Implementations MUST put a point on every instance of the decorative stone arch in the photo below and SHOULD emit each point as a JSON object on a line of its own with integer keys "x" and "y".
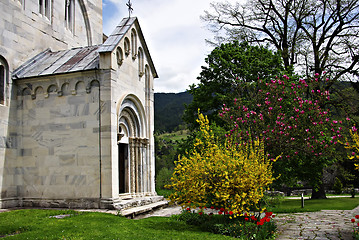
{"x": 65, "y": 89}
{"x": 79, "y": 88}
{"x": 132, "y": 140}
{"x": 132, "y": 111}
{"x": 39, "y": 90}
{"x": 92, "y": 84}
{"x": 26, "y": 92}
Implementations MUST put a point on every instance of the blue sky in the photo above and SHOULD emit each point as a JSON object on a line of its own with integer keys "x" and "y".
{"x": 174, "y": 33}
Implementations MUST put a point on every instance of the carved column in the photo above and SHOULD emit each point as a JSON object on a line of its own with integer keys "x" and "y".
{"x": 132, "y": 171}
{"x": 144, "y": 165}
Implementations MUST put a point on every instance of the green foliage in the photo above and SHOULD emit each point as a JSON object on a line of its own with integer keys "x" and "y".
{"x": 163, "y": 178}
{"x": 37, "y": 224}
{"x": 228, "y": 66}
{"x": 219, "y": 175}
{"x": 338, "y": 186}
{"x": 165, "y": 151}
{"x": 221, "y": 224}
{"x": 293, "y": 119}
{"x": 314, "y": 205}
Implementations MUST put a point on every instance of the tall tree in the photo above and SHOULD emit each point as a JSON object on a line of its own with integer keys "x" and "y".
{"x": 287, "y": 116}
{"x": 314, "y": 35}
{"x": 228, "y": 66}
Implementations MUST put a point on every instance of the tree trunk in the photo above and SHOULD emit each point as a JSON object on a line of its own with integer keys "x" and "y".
{"x": 319, "y": 193}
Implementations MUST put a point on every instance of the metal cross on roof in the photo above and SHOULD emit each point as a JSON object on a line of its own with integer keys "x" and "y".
{"x": 130, "y": 9}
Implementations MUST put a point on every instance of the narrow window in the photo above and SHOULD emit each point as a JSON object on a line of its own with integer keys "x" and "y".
{"x": 69, "y": 14}
{"x": 127, "y": 46}
{"x": 2, "y": 84}
{"x": 119, "y": 56}
{"x": 45, "y": 8}
{"x": 134, "y": 43}
{"x": 140, "y": 62}
{"x": 41, "y": 7}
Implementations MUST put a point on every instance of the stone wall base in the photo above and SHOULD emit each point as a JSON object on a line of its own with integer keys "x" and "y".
{"x": 84, "y": 203}
{"x": 123, "y": 201}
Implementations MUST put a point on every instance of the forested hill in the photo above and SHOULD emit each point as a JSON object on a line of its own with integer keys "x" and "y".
{"x": 169, "y": 109}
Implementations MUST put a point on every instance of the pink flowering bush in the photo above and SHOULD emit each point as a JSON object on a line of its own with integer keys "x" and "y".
{"x": 294, "y": 120}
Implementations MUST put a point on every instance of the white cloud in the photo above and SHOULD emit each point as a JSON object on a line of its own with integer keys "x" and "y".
{"x": 175, "y": 36}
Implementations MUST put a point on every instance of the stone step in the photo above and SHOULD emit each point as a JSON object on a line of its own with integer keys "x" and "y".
{"x": 132, "y": 212}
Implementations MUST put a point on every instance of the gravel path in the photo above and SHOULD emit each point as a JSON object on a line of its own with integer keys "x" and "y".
{"x": 326, "y": 224}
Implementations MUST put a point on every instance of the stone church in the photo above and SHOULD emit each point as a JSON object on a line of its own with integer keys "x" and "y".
{"x": 76, "y": 107}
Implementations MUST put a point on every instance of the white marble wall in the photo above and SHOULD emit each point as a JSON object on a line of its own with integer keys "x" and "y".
{"x": 24, "y": 32}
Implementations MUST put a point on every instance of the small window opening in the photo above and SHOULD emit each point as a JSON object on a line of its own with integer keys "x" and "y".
{"x": 45, "y": 8}
{"x": 119, "y": 55}
{"x": 127, "y": 46}
{"x": 134, "y": 44}
{"x": 2, "y": 84}
{"x": 69, "y": 14}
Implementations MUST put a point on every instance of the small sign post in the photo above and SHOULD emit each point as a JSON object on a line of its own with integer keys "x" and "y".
{"x": 302, "y": 200}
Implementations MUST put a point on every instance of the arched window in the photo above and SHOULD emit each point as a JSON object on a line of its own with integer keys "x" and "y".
{"x": 127, "y": 46}
{"x": 147, "y": 82}
{"x": 134, "y": 43}
{"x": 69, "y": 14}
{"x": 4, "y": 72}
{"x": 119, "y": 56}
{"x": 2, "y": 84}
{"x": 141, "y": 62}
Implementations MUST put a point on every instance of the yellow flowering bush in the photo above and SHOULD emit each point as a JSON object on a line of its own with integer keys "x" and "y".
{"x": 226, "y": 177}
{"x": 354, "y": 147}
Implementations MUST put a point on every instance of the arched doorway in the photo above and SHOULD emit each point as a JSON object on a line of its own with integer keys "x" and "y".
{"x": 133, "y": 157}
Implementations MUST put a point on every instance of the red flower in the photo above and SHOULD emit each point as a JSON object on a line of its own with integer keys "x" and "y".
{"x": 353, "y": 220}
{"x": 230, "y": 213}
{"x": 221, "y": 209}
{"x": 246, "y": 219}
{"x": 357, "y": 216}
{"x": 200, "y": 213}
{"x": 358, "y": 224}
{"x": 188, "y": 209}
{"x": 212, "y": 207}
{"x": 220, "y": 212}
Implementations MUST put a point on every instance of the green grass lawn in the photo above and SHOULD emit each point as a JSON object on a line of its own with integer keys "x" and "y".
{"x": 175, "y": 136}
{"x": 37, "y": 224}
{"x": 294, "y": 205}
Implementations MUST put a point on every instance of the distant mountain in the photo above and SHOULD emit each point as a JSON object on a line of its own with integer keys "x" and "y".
{"x": 169, "y": 108}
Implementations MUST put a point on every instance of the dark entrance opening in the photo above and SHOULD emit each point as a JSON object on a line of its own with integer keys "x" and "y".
{"x": 122, "y": 159}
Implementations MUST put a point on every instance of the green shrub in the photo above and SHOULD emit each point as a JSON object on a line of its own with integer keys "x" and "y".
{"x": 163, "y": 178}
{"x": 338, "y": 186}
{"x": 224, "y": 225}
